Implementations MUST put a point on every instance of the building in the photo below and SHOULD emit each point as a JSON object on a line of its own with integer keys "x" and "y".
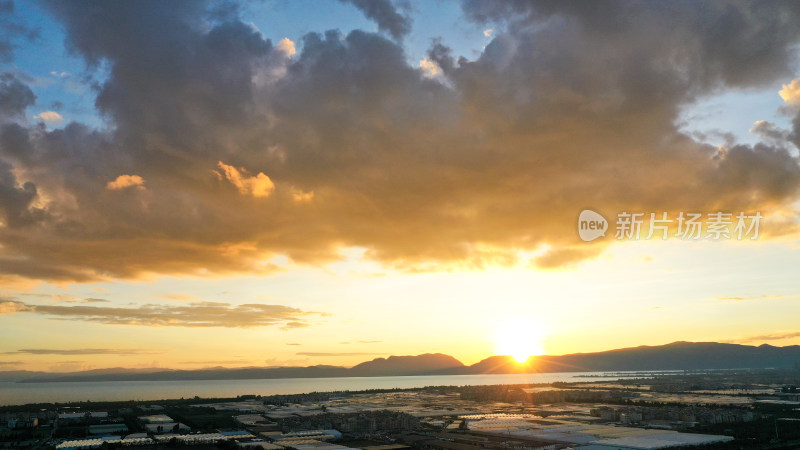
{"x": 108, "y": 428}
{"x": 166, "y": 427}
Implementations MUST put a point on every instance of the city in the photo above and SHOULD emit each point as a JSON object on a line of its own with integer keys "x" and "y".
{"x": 713, "y": 409}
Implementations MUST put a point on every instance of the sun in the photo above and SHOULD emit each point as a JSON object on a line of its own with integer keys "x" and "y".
{"x": 519, "y": 338}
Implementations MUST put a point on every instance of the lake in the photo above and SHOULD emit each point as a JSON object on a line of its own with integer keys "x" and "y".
{"x": 21, "y": 393}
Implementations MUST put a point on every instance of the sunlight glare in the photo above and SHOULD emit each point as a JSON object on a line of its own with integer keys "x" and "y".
{"x": 520, "y": 338}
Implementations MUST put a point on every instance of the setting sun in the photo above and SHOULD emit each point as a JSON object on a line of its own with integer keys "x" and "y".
{"x": 519, "y": 338}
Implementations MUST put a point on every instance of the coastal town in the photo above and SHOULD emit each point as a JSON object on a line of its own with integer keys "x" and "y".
{"x": 714, "y": 409}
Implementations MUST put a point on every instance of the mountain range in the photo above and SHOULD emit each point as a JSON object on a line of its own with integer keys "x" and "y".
{"x": 674, "y": 356}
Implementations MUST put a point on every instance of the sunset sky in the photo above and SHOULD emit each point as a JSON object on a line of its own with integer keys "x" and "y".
{"x": 195, "y": 184}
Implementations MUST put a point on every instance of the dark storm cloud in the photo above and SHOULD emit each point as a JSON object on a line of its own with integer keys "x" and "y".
{"x": 385, "y": 15}
{"x": 16, "y": 201}
{"x": 769, "y": 132}
{"x": 199, "y": 314}
{"x": 224, "y": 150}
{"x": 12, "y": 31}
{"x": 736, "y": 42}
{"x": 15, "y": 96}
{"x": 15, "y": 142}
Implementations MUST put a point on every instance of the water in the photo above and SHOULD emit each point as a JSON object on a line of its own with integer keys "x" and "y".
{"x": 20, "y": 393}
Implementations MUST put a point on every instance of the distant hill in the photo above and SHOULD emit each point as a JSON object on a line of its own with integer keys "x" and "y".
{"x": 17, "y": 375}
{"x": 498, "y": 364}
{"x": 674, "y": 356}
{"x": 406, "y": 365}
{"x": 426, "y": 364}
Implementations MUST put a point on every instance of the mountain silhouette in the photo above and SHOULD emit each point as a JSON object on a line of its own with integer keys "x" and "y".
{"x": 406, "y": 365}
{"x": 674, "y": 356}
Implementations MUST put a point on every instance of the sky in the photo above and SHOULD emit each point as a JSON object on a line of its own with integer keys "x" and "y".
{"x": 191, "y": 184}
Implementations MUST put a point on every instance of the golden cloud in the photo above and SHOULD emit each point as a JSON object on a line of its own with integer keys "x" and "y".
{"x": 126, "y": 181}
{"x": 84, "y": 351}
{"x": 198, "y": 314}
{"x": 49, "y": 117}
{"x": 258, "y": 186}
{"x": 287, "y": 47}
{"x": 491, "y": 159}
{"x": 429, "y": 68}
{"x": 791, "y": 92}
